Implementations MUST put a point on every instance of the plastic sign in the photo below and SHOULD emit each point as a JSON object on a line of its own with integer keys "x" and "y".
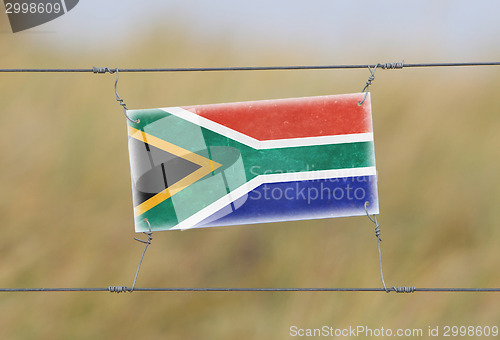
{"x": 252, "y": 162}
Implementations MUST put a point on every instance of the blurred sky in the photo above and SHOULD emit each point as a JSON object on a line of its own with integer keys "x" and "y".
{"x": 418, "y": 30}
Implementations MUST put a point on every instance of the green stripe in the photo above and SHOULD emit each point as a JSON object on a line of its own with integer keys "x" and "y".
{"x": 297, "y": 159}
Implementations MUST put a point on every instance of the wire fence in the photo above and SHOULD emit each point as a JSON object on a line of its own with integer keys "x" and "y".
{"x": 371, "y": 67}
{"x": 397, "y": 65}
{"x": 123, "y": 289}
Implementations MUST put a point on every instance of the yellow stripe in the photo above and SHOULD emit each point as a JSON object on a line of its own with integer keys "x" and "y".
{"x": 172, "y": 148}
{"x": 206, "y": 167}
{"x": 170, "y": 191}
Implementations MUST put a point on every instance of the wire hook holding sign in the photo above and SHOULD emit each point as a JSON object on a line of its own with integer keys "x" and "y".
{"x": 147, "y": 243}
{"x": 368, "y": 83}
{"x": 377, "y": 234}
{"x": 118, "y": 99}
{"x": 386, "y": 66}
{"x": 122, "y": 289}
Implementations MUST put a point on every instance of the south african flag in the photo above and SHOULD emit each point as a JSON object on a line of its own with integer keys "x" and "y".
{"x": 252, "y": 162}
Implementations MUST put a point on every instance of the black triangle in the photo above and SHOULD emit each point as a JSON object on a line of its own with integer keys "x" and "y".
{"x": 156, "y": 169}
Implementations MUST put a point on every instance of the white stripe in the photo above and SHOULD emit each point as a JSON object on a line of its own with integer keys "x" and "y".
{"x": 270, "y": 178}
{"x": 266, "y": 144}
{"x": 320, "y": 140}
{"x": 64, "y": 6}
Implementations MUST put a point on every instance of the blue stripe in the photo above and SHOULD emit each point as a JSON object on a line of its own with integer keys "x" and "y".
{"x": 300, "y": 200}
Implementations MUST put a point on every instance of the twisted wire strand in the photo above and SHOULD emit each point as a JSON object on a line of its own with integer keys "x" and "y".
{"x": 371, "y": 78}
{"x": 120, "y": 100}
{"x": 392, "y": 66}
{"x": 123, "y": 289}
{"x": 102, "y": 70}
{"x": 379, "y": 239}
{"x": 368, "y": 83}
{"x": 404, "y": 289}
{"x": 147, "y": 243}
{"x": 117, "y": 289}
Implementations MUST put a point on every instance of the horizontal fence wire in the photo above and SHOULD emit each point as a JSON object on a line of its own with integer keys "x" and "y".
{"x": 249, "y": 68}
{"x": 125, "y": 289}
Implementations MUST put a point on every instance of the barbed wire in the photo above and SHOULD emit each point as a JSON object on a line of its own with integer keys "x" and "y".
{"x": 398, "y": 65}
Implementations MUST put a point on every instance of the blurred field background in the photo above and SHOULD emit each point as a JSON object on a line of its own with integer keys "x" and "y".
{"x": 66, "y": 210}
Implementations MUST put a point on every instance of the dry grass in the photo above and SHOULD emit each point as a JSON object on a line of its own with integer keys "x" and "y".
{"x": 66, "y": 214}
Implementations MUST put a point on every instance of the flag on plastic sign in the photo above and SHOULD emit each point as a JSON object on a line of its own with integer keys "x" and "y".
{"x": 252, "y": 162}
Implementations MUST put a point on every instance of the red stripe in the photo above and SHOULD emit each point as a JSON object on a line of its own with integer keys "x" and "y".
{"x": 293, "y": 118}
